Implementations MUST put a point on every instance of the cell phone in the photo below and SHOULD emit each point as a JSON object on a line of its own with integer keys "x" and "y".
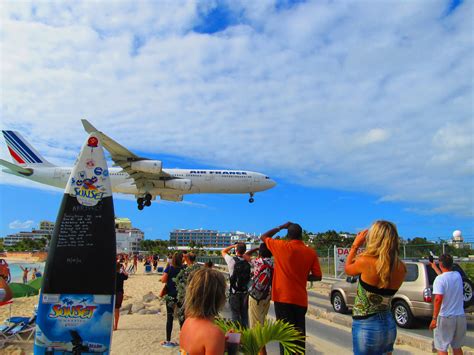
{"x": 430, "y": 258}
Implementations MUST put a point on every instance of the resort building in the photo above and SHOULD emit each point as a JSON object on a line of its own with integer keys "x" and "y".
{"x": 44, "y": 232}
{"x": 128, "y": 238}
{"x": 207, "y": 238}
{"x": 12, "y": 239}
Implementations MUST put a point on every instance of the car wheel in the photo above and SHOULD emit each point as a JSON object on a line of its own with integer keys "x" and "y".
{"x": 468, "y": 292}
{"x": 402, "y": 314}
{"x": 338, "y": 302}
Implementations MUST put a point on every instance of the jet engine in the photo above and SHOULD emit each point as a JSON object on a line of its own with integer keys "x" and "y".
{"x": 148, "y": 166}
{"x": 179, "y": 184}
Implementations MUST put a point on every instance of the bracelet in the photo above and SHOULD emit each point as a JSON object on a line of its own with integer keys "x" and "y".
{"x": 435, "y": 318}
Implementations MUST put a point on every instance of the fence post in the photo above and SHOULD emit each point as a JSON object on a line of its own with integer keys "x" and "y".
{"x": 404, "y": 251}
{"x": 329, "y": 263}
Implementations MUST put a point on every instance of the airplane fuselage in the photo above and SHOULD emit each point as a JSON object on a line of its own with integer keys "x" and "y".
{"x": 202, "y": 180}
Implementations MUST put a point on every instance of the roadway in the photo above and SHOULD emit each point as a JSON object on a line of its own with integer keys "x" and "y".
{"x": 325, "y": 337}
{"x": 316, "y": 299}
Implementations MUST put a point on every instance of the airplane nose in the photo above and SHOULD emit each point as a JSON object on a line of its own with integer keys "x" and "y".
{"x": 272, "y": 183}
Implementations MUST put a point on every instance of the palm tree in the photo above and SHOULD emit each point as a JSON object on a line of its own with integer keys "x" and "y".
{"x": 252, "y": 340}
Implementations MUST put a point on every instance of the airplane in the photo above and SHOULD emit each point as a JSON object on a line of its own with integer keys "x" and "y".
{"x": 76, "y": 346}
{"x": 139, "y": 176}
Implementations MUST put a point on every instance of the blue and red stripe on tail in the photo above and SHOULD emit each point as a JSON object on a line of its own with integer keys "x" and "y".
{"x": 21, "y": 151}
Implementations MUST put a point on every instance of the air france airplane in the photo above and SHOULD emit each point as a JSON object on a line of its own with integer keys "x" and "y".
{"x": 139, "y": 176}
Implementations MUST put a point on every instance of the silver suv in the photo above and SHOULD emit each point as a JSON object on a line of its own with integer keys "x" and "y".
{"x": 413, "y": 299}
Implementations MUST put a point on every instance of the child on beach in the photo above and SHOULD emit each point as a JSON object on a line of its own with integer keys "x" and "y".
{"x": 205, "y": 296}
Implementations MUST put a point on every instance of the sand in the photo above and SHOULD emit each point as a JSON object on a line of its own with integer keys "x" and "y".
{"x": 136, "y": 333}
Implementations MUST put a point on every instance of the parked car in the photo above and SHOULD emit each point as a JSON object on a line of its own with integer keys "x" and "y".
{"x": 413, "y": 299}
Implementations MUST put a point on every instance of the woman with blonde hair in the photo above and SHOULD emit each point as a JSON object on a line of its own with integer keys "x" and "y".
{"x": 381, "y": 273}
{"x": 205, "y": 297}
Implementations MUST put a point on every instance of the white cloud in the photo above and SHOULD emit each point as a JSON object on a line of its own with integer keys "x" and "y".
{"x": 17, "y": 224}
{"x": 354, "y": 95}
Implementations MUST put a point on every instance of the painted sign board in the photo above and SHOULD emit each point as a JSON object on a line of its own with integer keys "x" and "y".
{"x": 76, "y": 304}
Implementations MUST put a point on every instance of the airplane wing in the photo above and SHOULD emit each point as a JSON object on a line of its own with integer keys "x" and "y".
{"x": 123, "y": 157}
{"x": 15, "y": 168}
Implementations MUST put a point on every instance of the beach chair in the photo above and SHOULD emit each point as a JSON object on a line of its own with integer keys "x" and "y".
{"x": 17, "y": 329}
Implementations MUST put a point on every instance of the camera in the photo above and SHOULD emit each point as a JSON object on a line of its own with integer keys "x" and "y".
{"x": 430, "y": 258}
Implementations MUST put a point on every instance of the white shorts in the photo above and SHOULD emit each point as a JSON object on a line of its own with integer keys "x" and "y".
{"x": 450, "y": 331}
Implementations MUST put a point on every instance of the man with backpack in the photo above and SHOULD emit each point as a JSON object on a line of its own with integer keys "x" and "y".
{"x": 239, "y": 273}
{"x": 260, "y": 285}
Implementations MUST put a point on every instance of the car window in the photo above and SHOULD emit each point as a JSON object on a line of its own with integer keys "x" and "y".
{"x": 457, "y": 268}
{"x": 431, "y": 274}
{"x": 412, "y": 272}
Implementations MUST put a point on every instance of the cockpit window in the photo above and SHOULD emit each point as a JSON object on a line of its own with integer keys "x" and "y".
{"x": 266, "y": 177}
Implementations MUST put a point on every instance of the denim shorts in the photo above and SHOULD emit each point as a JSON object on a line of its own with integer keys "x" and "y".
{"x": 374, "y": 335}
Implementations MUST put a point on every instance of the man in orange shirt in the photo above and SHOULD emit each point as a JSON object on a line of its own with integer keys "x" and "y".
{"x": 294, "y": 265}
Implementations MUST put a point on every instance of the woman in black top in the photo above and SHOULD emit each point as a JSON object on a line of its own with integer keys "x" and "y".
{"x": 169, "y": 274}
{"x": 121, "y": 277}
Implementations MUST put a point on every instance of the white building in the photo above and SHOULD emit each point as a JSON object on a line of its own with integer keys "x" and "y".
{"x": 13, "y": 239}
{"x": 458, "y": 240}
{"x": 128, "y": 238}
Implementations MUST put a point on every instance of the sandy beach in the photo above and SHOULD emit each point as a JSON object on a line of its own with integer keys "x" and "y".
{"x": 141, "y": 331}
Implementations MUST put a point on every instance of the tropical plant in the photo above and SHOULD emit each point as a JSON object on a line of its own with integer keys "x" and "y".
{"x": 252, "y": 340}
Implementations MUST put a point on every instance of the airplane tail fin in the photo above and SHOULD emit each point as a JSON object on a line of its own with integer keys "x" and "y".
{"x": 22, "y": 152}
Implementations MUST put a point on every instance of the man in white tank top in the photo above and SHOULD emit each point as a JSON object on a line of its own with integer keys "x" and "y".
{"x": 449, "y": 320}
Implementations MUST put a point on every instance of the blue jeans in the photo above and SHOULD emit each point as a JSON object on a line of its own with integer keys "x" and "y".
{"x": 374, "y": 335}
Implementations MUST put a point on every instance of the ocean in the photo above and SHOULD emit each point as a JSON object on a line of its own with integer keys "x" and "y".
{"x": 17, "y": 274}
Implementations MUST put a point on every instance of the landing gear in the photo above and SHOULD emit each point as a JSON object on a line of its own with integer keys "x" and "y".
{"x": 251, "y": 200}
{"x": 144, "y": 201}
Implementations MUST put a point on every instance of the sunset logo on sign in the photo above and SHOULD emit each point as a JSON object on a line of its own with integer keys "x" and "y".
{"x": 67, "y": 311}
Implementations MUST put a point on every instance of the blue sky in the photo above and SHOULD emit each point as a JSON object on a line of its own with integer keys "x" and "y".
{"x": 359, "y": 110}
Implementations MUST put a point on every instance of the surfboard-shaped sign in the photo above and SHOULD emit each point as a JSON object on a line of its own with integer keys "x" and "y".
{"x": 76, "y": 305}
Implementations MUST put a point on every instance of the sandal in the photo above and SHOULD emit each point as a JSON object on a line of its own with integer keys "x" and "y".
{"x": 168, "y": 344}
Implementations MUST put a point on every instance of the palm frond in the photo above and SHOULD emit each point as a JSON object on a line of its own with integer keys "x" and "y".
{"x": 254, "y": 339}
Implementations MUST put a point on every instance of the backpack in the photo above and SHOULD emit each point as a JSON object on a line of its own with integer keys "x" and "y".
{"x": 241, "y": 276}
{"x": 261, "y": 284}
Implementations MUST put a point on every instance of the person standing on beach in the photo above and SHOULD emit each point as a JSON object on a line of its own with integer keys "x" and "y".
{"x": 381, "y": 273}
{"x": 449, "y": 320}
{"x": 25, "y": 273}
{"x": 205, "y": 297}
{"x": 183, "y": 279}
{"x": 121, "y": 277}
{"x": 169, "y": 275}
{"x": 239, "y": 274}
{"x": 135, "y": 263}
{"x": 295, "y": 264}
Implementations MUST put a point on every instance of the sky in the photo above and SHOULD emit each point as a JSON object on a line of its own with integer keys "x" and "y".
{"x": 360, "y": 110}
